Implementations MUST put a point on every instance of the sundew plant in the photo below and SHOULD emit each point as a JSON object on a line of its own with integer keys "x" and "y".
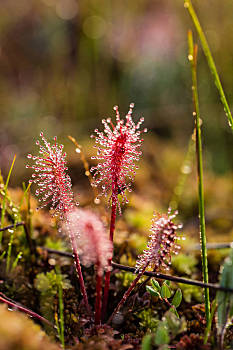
{"x": 91, "y": 243}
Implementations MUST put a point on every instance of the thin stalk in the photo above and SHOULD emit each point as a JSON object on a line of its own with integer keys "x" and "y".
{"x": 9, "y": 250}
{"x": 61, "y": 314}
{"x": 98, "y": 294}
{"x": 15, "y": 263}
{"x": 193, "y": 60}
{"x": 158, "y": 275}
{"x": 108, "y": 273}
{"x": 184, "y": 173}
{"x": 27, "y": 311}
{"x": 4, "y": 197}
{"x": 208, "y": 329}
{"x": 11, "y": 226}
{"x": 210, "y": 60}
{"x": 79, "y": 149}
{"x": 78, "y": 269}
{"x": 128, "y": 292}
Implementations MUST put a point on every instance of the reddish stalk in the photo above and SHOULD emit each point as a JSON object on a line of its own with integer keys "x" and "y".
{"x": 128, "y": 292}
{"x": 29, "y": 312}
{"x": 108, "y": 273}
{"x": 78, "y": 269}
{"x": 98, "y": 294}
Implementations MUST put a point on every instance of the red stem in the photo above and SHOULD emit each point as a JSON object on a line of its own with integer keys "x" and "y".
{"x": 98, "y": 294}
{"x": 108, "y": 273}
{"x": 127, "y": 293}
{"x": 78, "y": 268}
{"x": 29, "y": 312}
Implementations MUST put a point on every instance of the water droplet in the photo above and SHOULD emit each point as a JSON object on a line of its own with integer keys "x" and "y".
{"x": 52, "y": 262}
{"x": 78, "y": 150}
{"x": 186, "y": 169}
{"x": 87, "y": 173}
{"x": 186, "y": 5}
{"x": 190, "y": 57}
{"x": 97, "y": 200}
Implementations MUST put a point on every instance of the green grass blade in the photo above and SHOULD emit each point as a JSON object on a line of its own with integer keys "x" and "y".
{"x": 24, "y": 194}
{"x": 210, "y": 60}
{"x": 4, "y": 197}
{"x": 193, "y": 60}
{"x": 15, "y": 263}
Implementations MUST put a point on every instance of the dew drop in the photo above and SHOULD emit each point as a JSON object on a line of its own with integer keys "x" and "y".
{"x": 186, "y": 169}
{"x": 78, "y": 150}
{"x": 190, "y": 57}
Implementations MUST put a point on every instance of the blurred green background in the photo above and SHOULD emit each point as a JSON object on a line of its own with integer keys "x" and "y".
{"x": 65, "y": 63}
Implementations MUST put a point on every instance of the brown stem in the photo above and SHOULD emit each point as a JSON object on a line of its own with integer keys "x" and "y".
{"x": 174, "y": 278}
{"x": 108, "y": 273}
{"x": 12, "y": 226}
{"x": 159, "y": 275}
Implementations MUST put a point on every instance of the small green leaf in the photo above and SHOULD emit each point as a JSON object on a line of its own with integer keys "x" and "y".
{"x": 146, "y": 342}
{"x": 161, "y": 335}
{"x": 165, "y": 291}
{"x": 224, "y": 299}
{"x": 156, "y": 285}
{"x": 153, "y": 292}
{"x": 177, "y": 298}
{"x": 174, "y": 311}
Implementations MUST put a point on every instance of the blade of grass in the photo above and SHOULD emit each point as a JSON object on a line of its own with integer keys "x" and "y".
{"x": 60, "y": 320}
{"x": 24, "y": 194}
{"x": 17, "y": 217}
{"x": 193, "y": 61}
{"x": 4, "y": 197}
{"x": 15, "y": 263}
{"x": 210, "y": 60}
{"x": 185, "y": 170}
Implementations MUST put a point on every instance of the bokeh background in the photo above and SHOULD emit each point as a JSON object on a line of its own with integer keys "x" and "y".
{"x": 65, "y": 63}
